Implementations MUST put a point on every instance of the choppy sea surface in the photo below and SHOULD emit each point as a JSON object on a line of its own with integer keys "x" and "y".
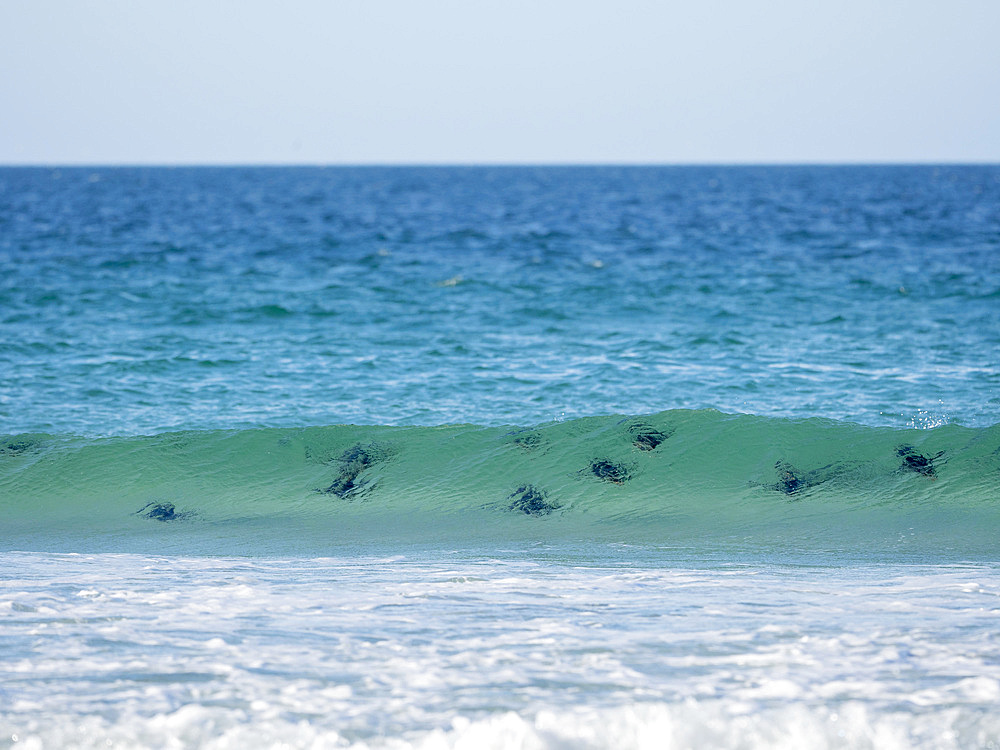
{"x": 533, "y": 457}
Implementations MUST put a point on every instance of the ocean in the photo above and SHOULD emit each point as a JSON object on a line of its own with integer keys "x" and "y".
{"x": 500, "y": 457}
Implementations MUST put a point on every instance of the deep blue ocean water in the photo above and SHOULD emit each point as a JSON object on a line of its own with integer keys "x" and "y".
{"x": 500, "y": 457}
{"x": 135, "y": 301}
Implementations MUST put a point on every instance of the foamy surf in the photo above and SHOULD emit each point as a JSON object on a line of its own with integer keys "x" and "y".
{"x": 451, "y": 651}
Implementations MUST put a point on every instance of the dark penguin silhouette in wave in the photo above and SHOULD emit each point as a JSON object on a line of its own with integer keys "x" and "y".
{"x": 17, "y": 447}
{"x": 646, "y": 438}
{"x": 610, "y": 471}
{"x": 531, "y": 500}
{"x": 792, "y": 481}
{"x": 353, "y": 462}
{"x": 789, "y": 480}
{"x": 527, "y": 440}
{"x": 917, "y": 462}
{"x": 162, "y": 512}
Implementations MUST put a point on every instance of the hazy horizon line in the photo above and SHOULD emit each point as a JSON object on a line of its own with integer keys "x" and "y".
{"x": 480, "y": 164}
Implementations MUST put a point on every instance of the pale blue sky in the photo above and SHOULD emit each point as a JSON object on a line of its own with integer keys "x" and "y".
{"x": 386, "y": 81}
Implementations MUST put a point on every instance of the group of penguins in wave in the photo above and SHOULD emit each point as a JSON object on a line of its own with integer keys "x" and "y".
{"x": 534, "y": 501}
{"x": 528, "y": 498}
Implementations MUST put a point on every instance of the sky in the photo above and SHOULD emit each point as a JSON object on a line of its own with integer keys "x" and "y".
{"x": 488, "y": 81}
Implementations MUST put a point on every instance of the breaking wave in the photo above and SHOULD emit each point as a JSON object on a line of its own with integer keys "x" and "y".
{"x": 682, "y": 478}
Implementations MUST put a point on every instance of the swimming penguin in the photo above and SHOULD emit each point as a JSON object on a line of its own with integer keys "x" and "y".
{"x": 609, "y": 471}
{"x": 792, "y": 481}
{"x": 789, "y": 481}
{"x": 353, "y": 461}
{"x": 918, "y": 462}
{"x": 17, "y": 447}
{"x": 645, "y": 438}
{"x": 162, "y": 512}
{"x": 531, "y": 500}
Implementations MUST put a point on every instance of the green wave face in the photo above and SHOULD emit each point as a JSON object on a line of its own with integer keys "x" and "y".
{"x": 699, "y": 481}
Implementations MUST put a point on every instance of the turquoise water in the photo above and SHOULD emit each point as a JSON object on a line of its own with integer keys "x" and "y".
{"x": 686, "y": 483}
{"x": 500, "y": 457}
